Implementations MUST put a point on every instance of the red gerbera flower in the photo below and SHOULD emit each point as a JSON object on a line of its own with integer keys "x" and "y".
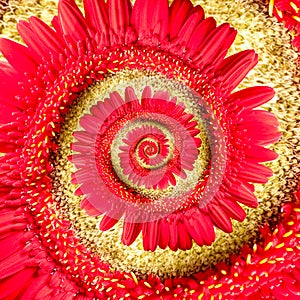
{"x": 156, "y": 140}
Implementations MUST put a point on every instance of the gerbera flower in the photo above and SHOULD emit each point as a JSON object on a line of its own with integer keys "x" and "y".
{"x": 169, "y": 147}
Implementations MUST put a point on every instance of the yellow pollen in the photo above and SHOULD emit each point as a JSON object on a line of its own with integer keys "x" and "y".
{"x": 248, "y": 261}
{"x": 147, "y": 284}
{"x": 254, "y": 248}
{"x": 223, "y": 272}
{"x": 263, "y": 261}
{"x": 296, "y": 18}
{"x": 279, "y": 246}
{"x": 287, "y": 234}
{"x": 279, "y": 259}
{"x": 272, "y": 262}
{"x": 294, "y": 7}
{"x": 269, "y": 245}
{"x": 134, "y": 278}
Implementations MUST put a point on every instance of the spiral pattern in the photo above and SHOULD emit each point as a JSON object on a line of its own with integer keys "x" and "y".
{"x": 132, "y": 147}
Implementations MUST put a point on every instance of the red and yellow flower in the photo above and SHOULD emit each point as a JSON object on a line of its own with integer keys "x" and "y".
{"x": 172, "y": 155}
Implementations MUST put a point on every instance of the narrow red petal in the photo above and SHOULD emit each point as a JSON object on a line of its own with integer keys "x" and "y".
{"x": 164, "y": 234}
{"x": 255, "y": 173}
{"x": 184, "y": 240}
{"x": 107, "y": 223}
{"x": 220, "y": 218}
{"x": 130, "y": 232}
{"x": 9, "y": 88}
{"x": 119, "y": 12}
{"x": 72, "y": 22}
{"x": 12, "y": 287}
{"x": 243, "y": 195}
{"x": 191, "y": 225}
{"x": 260, "y": 154}
{"x": 187, "y": 31}
{"x": 88, "y": 207}
{"x": 36, "y": 285}
{"x": 234, "y": 68}
{"x": 96, "y": 14}
{"x": 18, "y": 56}
{"x": 233, "y": 210}
{"x": 215, "y": 46}
{"x": 251, "y": 97}
{"x": 173, "y": 237}
{"x": 31, "y": 40}
{"x": 148, "y": 18}
{"x": 201, "y": 33}
{"x": 180, "y": 10}
{"x": 48, "y": 37}
{"x": 151, "y": 235}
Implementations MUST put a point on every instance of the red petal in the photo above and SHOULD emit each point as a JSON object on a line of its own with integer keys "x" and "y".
{"x": 119, "y": 12}
{"x": 88, "y": 207}
{"x": 164, "y": 234}
{"x": 260, "y": 154}
{"x": 192, "y": 226}
{"x": 72, "y": 21}
{"x": 201, "y": 33}
{"x": 151, "y": 235}
{"x": 184, "y": 241}
{"x": 18, "y": 56}
{"x": 11, "y": 244}
{"x": 186, "y": 36}
{"x": 9, "y": 88}
{"x": 215, "y": 46}
{"x": 48, "y": 37}
{"x": 252, "y": 97}
{"x": 200, "y": 228}
{"x": 96, "y": 14}
{"x": 234, "y": 68}
{"x": 173, "y": 237}
{"x": 243, "y": 195}
{"x": 150, "y": 17}
{"x": 130, "y": 232}
{"x": 258, "y": 117}
{"x": 180, "y": 10}
{"x": 232, "y": 209}
{"x": 219, "y": 217}
{"x": 107, "y": 223}
{"x": 13, "y": 264}
{"x": 37, "y": 284}
{"x": 254, "y": 172}
{"x": 11, "y": 287}
{"x": 31, "y": 40}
